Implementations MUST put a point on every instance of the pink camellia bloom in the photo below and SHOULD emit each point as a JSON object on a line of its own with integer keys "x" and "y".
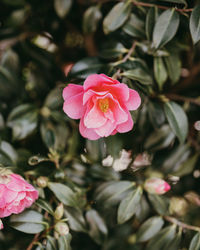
{"x": 102, "y": 104}
{"x": 156, "y": 186}
{"x": 15, "y": 195}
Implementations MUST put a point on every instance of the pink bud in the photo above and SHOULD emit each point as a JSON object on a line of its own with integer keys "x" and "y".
{"x": 156, "y": 186}
{"x": 1, "y": 224}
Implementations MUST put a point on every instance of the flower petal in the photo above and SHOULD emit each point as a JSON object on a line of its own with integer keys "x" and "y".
{"x": 94, "y": 118}
{"x": 96, "y": 80}
{"x": 126, "y": 126}
{"x": 73, "y": 106}
{"x": 72, "y": 90}
{"x": 87, "y": 132}
{"x": 106, "y": 129}
{"x": 134, "y": 100}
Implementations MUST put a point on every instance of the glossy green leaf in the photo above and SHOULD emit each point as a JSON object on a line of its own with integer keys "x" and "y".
{"x": 160, "y": 240}
{"x": 23, "y": 120}
{"x": 116, "y": 17}
{"x": 76, "y": 219}
{"x": 160, "y": 203}
{"x": 91, "y": 19}
{"x": 187, "y": 166}
{"x": 62, "y": 7}
{"x": 86, "y": 66}
{"x": 63, "y": 193}
{"x": 97, "y": 226}
{"x": 173, "y": 64}
{"x": 29, "y": 221}
{"x": 8, "y": 155}
{"x": 128, "y": 205}
{"x": 134, "y": 27}
{"x": 195, "y": 243}
{"x": 195, "y": 24}
{"x": 139, "y": 75}
{"x": 177, "y": 120}
{"x": 160, "y": 71}
{"x": 64, "y": 242}
{"x": 175, "y": 243}
{"x": 112, "y": 50}
{"x": 112, "y": 192}
{"x": 151, "y": 18}
{"x": 149, "y": 228}
{"x": 165, "y": 28}
{"x": 45, "y": 205}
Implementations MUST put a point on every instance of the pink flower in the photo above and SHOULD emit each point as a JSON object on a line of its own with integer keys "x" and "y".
{"x": 102, "y": 104}
{"x": 15, "y": 195}
{"x": 156, "y": 186}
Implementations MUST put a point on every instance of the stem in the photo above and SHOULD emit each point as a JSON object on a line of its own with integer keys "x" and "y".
{"x": 181, "y": 224}
{"x": 159, "y": 6}
{"x": 35, "y": 239}
{"x": 183, "y": 98}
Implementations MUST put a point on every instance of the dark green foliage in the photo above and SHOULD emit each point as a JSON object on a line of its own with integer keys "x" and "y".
{"x": 153, "y": 47}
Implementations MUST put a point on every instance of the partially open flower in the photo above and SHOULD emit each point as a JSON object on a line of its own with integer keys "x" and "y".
{"x": 15, "y": 195}
{"x": 102, "y": 104}
{"x": 156, "y": 186}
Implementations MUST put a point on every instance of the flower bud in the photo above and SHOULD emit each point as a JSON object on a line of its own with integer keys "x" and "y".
{"x": 1, "y": 224}
{"x": 59, "y": 212}
{"x": 193, "y": 198}
{"x": 42, "y": 181}
{"x": 62, "y": 228}
{"x": 156, "y": 186}
{"x": 178, "y": 206}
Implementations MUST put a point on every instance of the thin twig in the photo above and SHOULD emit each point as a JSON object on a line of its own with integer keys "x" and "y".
{"x": 183, "y": 98}
{"x": 35, "y": 239}
{"x": 181, "y": 224}
{"x": 128, "y": 55}
{"x": 159, "y": 6}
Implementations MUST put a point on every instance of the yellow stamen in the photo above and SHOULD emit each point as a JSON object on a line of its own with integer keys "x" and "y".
{"x": 104, "y": 105}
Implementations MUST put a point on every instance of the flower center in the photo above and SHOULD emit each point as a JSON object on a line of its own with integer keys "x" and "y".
{"x": 104, "y": 105}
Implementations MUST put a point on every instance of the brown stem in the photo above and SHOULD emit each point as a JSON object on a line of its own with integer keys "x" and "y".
{"x": 183, "y": 98}
{"x": 181, "y": 224}
{"x": 35, "y": 239}
{"x": 129, "y": 52}
{"x": 159, "y": 6}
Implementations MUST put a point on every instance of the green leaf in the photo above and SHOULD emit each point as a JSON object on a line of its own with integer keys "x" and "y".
{"x": 29, "y": 221}
{"x": 160, "y": 240}
{"x": 62, "y": 7}
{"x": 8, "y": 155}
{"x": 165, "y": 28}
{"x": 187, "y": 166}
{"x": 195, "y": 24}
{"x": 76, "y": 219}
{"x": 116, "y": 17}
{"x": 173, "y": 64}
{"x": 45, "y": 205}
{"x": 63, "y": 193}
{"x": 112, "y": 50}
{"x": 195, "y": 243}
{"x": 177, "y": 120}
{"x": 160, "y": 72}
{"x": 175, "y": 243}
{"x": 97, "y": 226}
{"x": 91, "y": 19}
{"x": 151, "y": 18}
{"x": 159, "y": 139}
{"x": 112, "y": 192}
{"x": 128, "y": 205}
{"x": 149, "y": 228}
{"x": 139, "y": 75}
{"x": 160, "y": 203}
{"x": 156, "y": 114}
{"x": 86, "y": 67}
{"x": 134, "y": 27}
{"x": 64, "y": 242}
{"x": 23, "y": 120}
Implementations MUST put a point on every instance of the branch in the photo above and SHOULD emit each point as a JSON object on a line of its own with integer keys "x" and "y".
{"x": 183, "y": 98}
{"x": 181, "y": 224}
{"x": 159, "y": 6}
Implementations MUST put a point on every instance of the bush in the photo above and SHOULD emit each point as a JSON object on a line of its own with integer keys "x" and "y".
{"x": 109, "y": 193}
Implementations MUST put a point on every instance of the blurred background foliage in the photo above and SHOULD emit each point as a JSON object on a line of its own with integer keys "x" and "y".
{"x": 91, "y": 192}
